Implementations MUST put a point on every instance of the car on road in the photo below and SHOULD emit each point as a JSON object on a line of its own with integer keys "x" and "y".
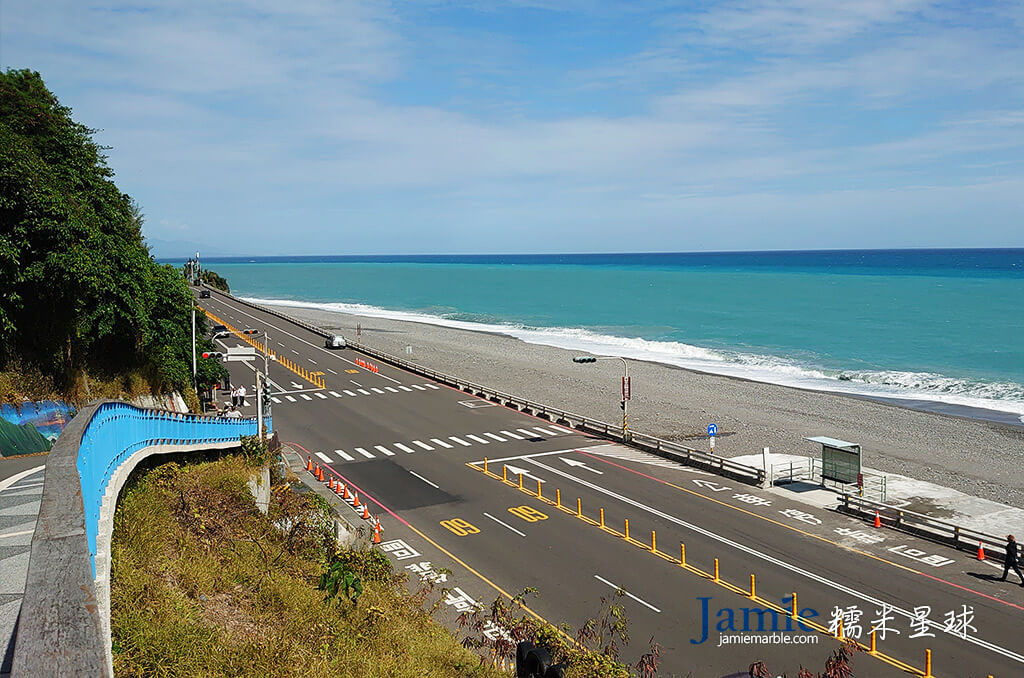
{"x": 335, "y": 341}
{"x": 205, "y": 294}
{"x": 220, "y": 331}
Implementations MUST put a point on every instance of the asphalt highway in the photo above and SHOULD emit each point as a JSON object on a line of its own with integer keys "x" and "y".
{"x": 415, "y": 451}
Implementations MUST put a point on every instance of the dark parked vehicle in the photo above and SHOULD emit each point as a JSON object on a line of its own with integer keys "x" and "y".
{"x": 205, "y": 294}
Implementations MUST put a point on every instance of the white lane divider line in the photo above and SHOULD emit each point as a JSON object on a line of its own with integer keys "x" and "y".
{"x": 422, "y": 444}
{"x": 384, "y": 450}
{"x": 356, "y": 383}
{"x": 405, "y": 388}
{"x": 441, "y": 443}
{"x": 528, "y": 434}
{"x": 478, "y": 439}
{"x": 311, "y": 360}
{"x": 619, "y": 588}
{"x": 351, "y": 393}
{"x": 365, "y": 453}
{"x": 391, "y": 388}
{"x": 276, "y": 401}
{"x": 335, "y": 394}
{"x": 289, "y": 399}
{"x": 344, "y": 455}
{"x": 363, "y": 391}
{"x": 304, "y": 396}
{"x": 460, "y": 441}
{"x": 544, "y": 431}
{"x": 320, "y": 395}
{"x": 404, "y": 448}
{"x": 376, "y": 390}
{"x": 514, "y": 436}
{"x": 433, "y": 386}
{"x": 325, "y": 457}
{"x": 504, "y": 524}
{"x": 425, "y": 480}
{"x": 418, "y": 387}
{"x": 331, "y": 371}
{"x": 295, "y": 352}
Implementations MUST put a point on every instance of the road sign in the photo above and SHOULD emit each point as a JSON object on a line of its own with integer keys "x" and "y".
{"x": 626, "y": 388}
{"x": 240, "y": 353}
{"x": 712, "y": 429}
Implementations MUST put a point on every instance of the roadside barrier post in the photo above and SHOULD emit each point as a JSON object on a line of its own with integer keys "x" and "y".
{"x": 520, "y": 481}
{"x": 928, "y": 664}
{"x": 654, "y": 542}
{"x": 753, "y": 589}
{"x": 716, "y": 569}
{"x": 682, "y": 554}
{"x": 871, "y": 649}
{"x": 558, "y": 498}
{"x": 485, "y": 464}
{"x": 579, "y": 507}
{"x": 538, "y": 489}
{"x": 626, "y": 533}
{"x": 793, "y": 614}
{"x": 602, "y": 518}
{"x": 504, "y": 473}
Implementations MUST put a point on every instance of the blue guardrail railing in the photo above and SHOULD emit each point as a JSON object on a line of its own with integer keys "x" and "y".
{"x": 117, "y": 430}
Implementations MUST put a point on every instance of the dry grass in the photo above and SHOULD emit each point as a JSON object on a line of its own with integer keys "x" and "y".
{"x": 203, "y": 585}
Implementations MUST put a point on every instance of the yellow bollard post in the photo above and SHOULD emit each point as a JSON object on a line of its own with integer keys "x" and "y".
{"x": 602, "y": 519}
{"x": 839, "y": 630}
{"x": 793, "y": 614}
{"x": 716, "y": 569}
{"x": 558, "y": 498}
{"x": 654, "y": 542}
{"x": 579, "y": 507}
{"x": 753, "y": 587}
{"x": 871, "y": 650}
{"x": 626, "y": 533}
{"x": 928, "y": 664}
{"x": 485, "y": 464}
{"x": 520, "y": 481}
{"x": 504, "y": 473}
{"x": 538, "y": 489}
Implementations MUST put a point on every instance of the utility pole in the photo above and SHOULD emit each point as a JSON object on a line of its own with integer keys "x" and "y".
{"x": 194, "y": 372}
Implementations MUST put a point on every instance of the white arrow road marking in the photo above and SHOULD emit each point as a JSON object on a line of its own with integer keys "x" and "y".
{"x": 425, "y": 480}
{"x": 714, "y": 487}
{"x": 573, "y": 462}
{"x": 296, "y": 385}
{"x": 619, "y": 588}
{"x": 522, "y": 472}
{"x": 504, "y": 524}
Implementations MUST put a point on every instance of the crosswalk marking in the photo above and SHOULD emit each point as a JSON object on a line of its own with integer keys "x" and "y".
{"x": 364, "y": 453}
{"x": 376, "y": 390}
{"x": 545, "y": 431}
{"x": 304, "y": 396}
{"x": 441, "y": 443}
{"x": 460, "y": 441}
{"x": 321, "y": 395}
{"x": 405, "y": 388}
{"x": 351, "y": 393}
{"x": 325, "y": 457}
{"x": 418, "y": 387}
{"x": 562, "y": 429}
{"x": 391, "y": 388}
{"x": 335, "y": 394}
{"x": 528, "y": 434}
{"x": 275, "y": 400}
{"x": 289, "y": 399}
{"x": 422, "y": 444}
{"x": 381, "y": 448}
{"x": 511, "y": 435}
{"x": 495, "y": 437}
{"x": 479, "y": 439}
{"x": 344, "y": 455}
{"x": 363, "y": 391}
{"x": 433, "y": 386}
{"x": 404, "y": 448}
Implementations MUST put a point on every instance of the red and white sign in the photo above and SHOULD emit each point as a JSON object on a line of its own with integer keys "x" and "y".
{"x": 626, "y": 388}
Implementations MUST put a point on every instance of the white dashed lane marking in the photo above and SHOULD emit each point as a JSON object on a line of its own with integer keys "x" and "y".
{"x": 384, "y": 450}
{"x": 460, "y": 441}
{"x": 364, "y": 453}
{"x": 404, "y": 448}
{"x": 422, "y": 444}
{"x": 441, "y": 443}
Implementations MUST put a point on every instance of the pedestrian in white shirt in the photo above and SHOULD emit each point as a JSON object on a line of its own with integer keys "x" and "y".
{"x": 241, "y": 395}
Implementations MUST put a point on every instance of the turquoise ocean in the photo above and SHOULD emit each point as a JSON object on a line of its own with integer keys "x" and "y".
{"x": 933, "y": 328}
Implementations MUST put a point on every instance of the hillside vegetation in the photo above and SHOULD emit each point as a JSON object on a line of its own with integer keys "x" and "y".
{"x": 85, "y": 311}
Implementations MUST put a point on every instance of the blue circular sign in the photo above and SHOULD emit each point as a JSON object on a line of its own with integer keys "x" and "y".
{"x": 712, "y": 430}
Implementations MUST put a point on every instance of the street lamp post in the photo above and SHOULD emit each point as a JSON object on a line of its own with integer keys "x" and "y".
{"x": 626, "y": 387}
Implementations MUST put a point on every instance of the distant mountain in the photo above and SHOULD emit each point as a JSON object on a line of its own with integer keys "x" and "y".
{"x": 181, "y": 249}
{"x": 24, "y": 439}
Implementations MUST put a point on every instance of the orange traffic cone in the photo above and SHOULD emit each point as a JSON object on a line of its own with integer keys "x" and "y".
{"x": 309, "y": 463}
{"x": 355, "y": 500}
{"x": 366, "y": 512}
{"x": 376, "y": 533}
{"x": 878, "y": 519}
{"x": 330, "y": 484}
{"x": 344, "y": 492}
{"x": 316, "y": 471}
{"x": 337, "y": 487}
{"x": 981, "y": 551}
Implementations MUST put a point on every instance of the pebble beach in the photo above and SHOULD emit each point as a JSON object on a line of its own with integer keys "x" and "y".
{"x": 977, "y": 457}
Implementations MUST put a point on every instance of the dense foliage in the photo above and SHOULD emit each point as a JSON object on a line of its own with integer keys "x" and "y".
{"x": 79, "y": 290}
{"x": 213, "y": 280}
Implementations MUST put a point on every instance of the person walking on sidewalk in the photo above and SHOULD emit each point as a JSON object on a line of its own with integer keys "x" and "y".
{"x": 1011, "y": 559}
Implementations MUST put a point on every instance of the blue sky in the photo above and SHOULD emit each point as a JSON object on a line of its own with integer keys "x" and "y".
{"x": 306, "y": 127}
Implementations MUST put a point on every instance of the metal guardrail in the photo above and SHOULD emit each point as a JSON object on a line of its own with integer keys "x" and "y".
{"x": 809, "y": 470}
{"x": 959, "y": 537}
{"x": 663, "y": 448}
{"x": 62, "y": 629}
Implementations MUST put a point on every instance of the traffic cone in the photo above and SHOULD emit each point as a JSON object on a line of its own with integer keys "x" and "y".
{"x": 316, "y": 471}
{"x": 309, "y": 463}
{"x": 355, "y": 500}
{"x": 337, "y": 487}
{"x": 981, "y": 551}
{"x": 366, "y": 512}
{"x": 376, "y": 533}
{"x": 878, "y": 519}
{"x": 330, "y": 484}
{"x": 344, "y": 492}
